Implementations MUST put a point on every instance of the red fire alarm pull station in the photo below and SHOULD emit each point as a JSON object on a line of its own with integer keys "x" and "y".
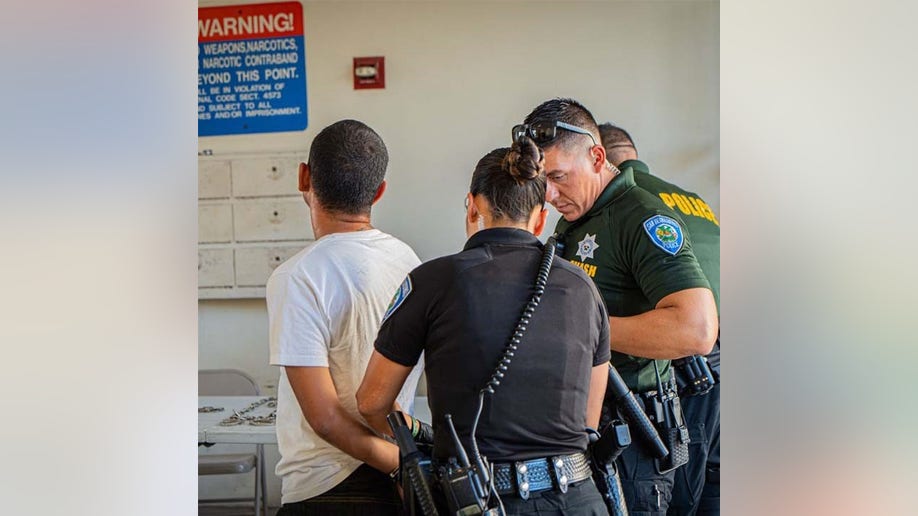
{"x": 369, "y": 72}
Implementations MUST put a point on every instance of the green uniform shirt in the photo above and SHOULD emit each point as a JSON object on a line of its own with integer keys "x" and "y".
{"x": 701, "y": 223}
{"x": 635, "y": 250}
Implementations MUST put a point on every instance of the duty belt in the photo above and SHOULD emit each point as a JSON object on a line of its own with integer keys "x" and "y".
{"x": 536, "y": 475}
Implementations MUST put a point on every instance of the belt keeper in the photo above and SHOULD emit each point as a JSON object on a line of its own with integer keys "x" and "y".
{"x": 558, "y": 464}
{"x": 522, "y": 479}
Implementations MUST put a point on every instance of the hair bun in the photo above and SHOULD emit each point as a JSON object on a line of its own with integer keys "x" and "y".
{"x": 525, "y": 161}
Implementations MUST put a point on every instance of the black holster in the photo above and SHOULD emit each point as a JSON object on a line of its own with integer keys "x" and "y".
{"x": 604, "y": 449}
{"x": 414, "y": 476}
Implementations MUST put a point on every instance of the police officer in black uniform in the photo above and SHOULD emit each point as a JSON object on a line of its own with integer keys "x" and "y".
{"x": 461, "y": 310}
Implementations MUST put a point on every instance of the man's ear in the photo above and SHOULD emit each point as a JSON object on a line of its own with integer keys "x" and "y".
{"x": 540, "y": 222}
{"x": 379, "y": 192}
{"x": 304, "y": 184}
{"x": 598, "y": 154}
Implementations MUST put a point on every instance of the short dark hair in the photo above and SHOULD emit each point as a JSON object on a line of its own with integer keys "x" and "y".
{"x": 347, "y": 163}
{"x": 564, "y": 110}
{"x": 616, "y": 141}
{"x": 512, "y": 179}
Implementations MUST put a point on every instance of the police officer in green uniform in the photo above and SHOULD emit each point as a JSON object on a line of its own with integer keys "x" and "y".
{"x": 630, "y": 243}
{"x": 697, "y": 484}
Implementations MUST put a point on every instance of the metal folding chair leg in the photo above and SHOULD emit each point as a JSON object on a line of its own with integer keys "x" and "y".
{"x": 258, "y": 508}
{"x": 262, "y": 479}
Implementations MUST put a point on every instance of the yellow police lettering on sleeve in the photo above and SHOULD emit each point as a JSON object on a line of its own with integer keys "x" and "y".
{"x": 689, "y": 206}
{"x": 688, "y": 203}
{"x": 682, "y": 203}
{"x": 668, "y": 200}
{"x": 696, "y": 202}
{"x": 710, "y": 212}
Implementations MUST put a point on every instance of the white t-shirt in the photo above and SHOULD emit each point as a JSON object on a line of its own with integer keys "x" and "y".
{"x": 325, "y": 306}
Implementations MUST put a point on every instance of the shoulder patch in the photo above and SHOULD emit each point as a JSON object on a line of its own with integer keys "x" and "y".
{"x": 665, "y": 233}
{"x": 400, "y": 295}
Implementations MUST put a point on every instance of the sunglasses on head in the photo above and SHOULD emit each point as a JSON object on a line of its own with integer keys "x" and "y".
{"x": 544, "y": 132}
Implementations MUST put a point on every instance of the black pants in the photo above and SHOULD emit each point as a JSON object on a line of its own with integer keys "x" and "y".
{"x": 581, "y": 499}
{"x": 366, "y": 492}
{"x": 697, "y": 484}
{"x": 647, "y": 493}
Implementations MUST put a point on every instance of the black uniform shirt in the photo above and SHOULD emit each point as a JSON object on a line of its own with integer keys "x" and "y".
{"x": 460, "y": 310}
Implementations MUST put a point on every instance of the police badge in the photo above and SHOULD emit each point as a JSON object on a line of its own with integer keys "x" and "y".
{"x": 586, "y": 247}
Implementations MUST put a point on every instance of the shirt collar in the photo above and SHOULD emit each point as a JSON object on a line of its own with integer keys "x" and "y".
{"x": 502, "y": 236}
{"x": 616, "y": 187}
{"x": 636, "y": 164}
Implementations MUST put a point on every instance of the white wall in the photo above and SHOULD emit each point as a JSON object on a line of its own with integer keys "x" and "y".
{"x": 458, "y": 76}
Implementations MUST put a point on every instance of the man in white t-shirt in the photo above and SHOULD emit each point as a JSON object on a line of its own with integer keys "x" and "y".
{"x": 325, "y": 305}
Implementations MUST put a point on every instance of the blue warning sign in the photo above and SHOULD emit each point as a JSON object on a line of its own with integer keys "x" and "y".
{"x": 251, "y": 69}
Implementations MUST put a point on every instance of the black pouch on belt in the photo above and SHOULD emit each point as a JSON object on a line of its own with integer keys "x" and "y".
{"x": 693, "y": 376}
{"x": 667, "y": 417}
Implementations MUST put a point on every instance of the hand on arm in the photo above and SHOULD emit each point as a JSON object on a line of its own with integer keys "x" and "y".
{"x": 598, "y": 379}
{"x": 318, "y": 400}
{"x": 381, "y": 385}
{"x": 683, "y": 323}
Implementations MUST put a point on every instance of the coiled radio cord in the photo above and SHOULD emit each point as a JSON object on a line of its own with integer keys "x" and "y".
{"x": 548, "y": 257}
